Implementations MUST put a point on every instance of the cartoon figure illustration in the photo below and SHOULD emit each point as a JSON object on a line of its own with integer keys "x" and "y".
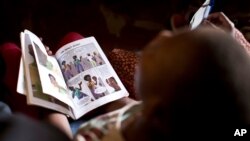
{"x": 77, "y": 91}
{"x": 97, "y": 93}
{"x": 78, "y": 65}
{"x": 73, "y": 68}
{"x": 56, "y": 85}
{"x": 112, "y": 83}
{"x": 66, "y": 69}
{"x": 97, "y": 82}
{"x": 91, "y": 60}
{"x": 85, "y": 62}
{"x": 97, "y": 58}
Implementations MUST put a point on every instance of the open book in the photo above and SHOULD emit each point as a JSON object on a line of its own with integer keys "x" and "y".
{"x": 76, "y": 80}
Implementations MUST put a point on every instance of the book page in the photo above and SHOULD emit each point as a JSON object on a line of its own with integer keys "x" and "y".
{"x": 200, "y": 15}
{"x": 34, "y": 94}
{"x": 52, "y": 81}
{"x": 89, "y": 75}
{"x": 21, "y": 84}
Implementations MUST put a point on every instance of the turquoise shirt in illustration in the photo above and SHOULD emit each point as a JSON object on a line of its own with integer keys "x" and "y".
{"x": 78, "y": 93}
{"x": 78, "y": 65}
{"x": 77, "y": 61}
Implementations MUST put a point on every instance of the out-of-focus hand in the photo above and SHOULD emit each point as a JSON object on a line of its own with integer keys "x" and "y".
{"x": 49, "y": 52}
{"x": 221, "y": 21}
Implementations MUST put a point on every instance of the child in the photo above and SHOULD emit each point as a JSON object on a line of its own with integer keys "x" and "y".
{"x": 192, "y": 84}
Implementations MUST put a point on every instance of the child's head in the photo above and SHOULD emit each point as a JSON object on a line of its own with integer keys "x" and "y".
{"x": 195, "y": 82}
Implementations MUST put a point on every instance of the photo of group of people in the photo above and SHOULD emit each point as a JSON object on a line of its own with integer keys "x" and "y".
{"x": 77, "y": 64}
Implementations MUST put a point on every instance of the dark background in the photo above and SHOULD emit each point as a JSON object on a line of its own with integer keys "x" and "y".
{"x": 52, "y": 19}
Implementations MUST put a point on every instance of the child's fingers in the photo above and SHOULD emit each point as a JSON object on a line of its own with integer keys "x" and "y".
{"x": 221, "y": 19}
{"x": 208, "y": 23}
{"x": 48, "y": 51}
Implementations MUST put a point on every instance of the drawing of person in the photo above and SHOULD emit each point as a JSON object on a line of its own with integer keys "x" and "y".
{"x": 97, "y": 83}
{"x": 66, "y": 68}
{"x": 92, "y": 86}
{"x": 91, "y": 60}
{"x": 97, "y": 58}
{"x": 112, "y": 83}
{"x": 56, "y": 85}
{"x": 76, "y": 92}
{"x": 73, "y": 68}
{"x": 100, "y": 88}
{"x": 78, "y": 65}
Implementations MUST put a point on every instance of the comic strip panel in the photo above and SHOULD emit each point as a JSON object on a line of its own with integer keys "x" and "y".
{"x": 80, "y": 59}
{"x": 91, "y": 83}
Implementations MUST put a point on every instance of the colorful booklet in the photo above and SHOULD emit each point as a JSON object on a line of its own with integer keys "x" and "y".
{"x": 76, "y": 80}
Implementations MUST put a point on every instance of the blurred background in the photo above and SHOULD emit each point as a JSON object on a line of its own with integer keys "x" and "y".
{"x": 128, "y": 24}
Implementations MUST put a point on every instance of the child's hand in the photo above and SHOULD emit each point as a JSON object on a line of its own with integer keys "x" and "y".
{"x": 47, "y": 48}
{"x": 48, "y": 51}
{"x": 221, "y": 21}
